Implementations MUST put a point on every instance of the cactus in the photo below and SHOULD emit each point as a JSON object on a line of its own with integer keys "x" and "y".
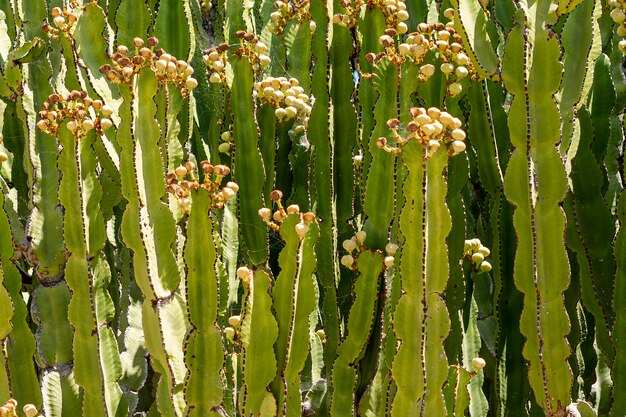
{"x": 232, "y": 208}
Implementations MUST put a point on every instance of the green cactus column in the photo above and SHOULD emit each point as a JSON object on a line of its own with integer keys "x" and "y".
{"x": 535, "y": 183}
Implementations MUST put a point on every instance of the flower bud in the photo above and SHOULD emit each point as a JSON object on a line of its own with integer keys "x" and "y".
{"x": 230, "y": 333}
{"x": 484, "y": 250}
{"x": 88, "y": 124}
{"x": 72, "y": 126}
{"x": 455, "y": 89}
{"x": 423, "y": 119}
{"x": 191, "y": 83}
{"x": 30, "y": 410}
{"x": 265, "y": 213}
{"x": 321, "y": 334}
{"x": 294, "y": 208}
{"x": 59, "y": 21}
{"x": 458, "y": 146}
{"x": 389, "y": 260}
{"x": 301, "y": 229}
{"x": 462, "y": 59}
{"x": 227, "y": 193}
{"x": 224, "y": 147}
{"x": 360, "y": 236}
{"x": 347, "y": 261}
{"x": 243, "y": 272}
{"x": 106, "y": 110}
{"x": 617, "y": 15}
{"x": 233, "y": 186}
{"x": 402, "y": 28}
{"x": 215, "y": 78}
{"x": 264, "y": 60}
{"x": 349, "y": 245}
{"x": 458, "y": 134}
{"x": 485, "y": 266}
{"x": 234, "y": 321}
{"x": 3, "y": 157}
{"x": 280, "y": 113}
{"x": 427, "y": 70}
{"x": 477, "y": 258}
{"x": 391, "y": 248}
{"x": 461, "y": 72}
{"x": 447, "y": 68}
{"x": 478, "y": 363}
{"x": 180, "y": 171}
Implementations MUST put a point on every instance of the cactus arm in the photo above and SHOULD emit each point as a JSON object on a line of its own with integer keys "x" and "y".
{"x": 57, "y": 386}
{"x": 132, "y": 20}
{"x": 359, "y": 328}
{"x": 619, "y": 303}
{"x": 158, "y": 234}
{"x": 203, "y": 345}
{"x": 259, "y": 332}
{"x": 320, "y": 132}
{"x": 267, "y": 145}
{"x": 379, "y": 190}
{"x": 248, "y": 159}
{"x": 46, "y": 218}
{"x": 374, "y": 21}
{"x": 482, "y": 138}
{"x": 409, "y": 315}
{"x": 157, "y": 222}
{"x": 293, "y": 303}
{"x": 581, "y": 42}
{"x": 345, "y": 124}
{"x": 593, "y": 222}
{"x": 472, "y": 23}
{"x": 155, "y": 269}
{"x": 87, "y": 275}
{"x": 535, "y": 184}
{"x": 19, "y": 380}
{"x": 90, "y": 30}
{"x": 478, "y": 405}
{"x": 601, "y": 107}
{"x": 176, "y": 15}
{"x": 438, "y": 225}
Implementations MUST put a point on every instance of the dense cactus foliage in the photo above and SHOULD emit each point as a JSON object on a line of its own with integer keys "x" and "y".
{"x": 327, "y": 207}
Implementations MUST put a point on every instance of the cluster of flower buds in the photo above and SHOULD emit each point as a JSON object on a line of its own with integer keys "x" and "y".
{"x": 3, "y": 156}
{"x": 286, "y": 96}
{"x": 431, "y": 128}
{"x": 232, "y": 332}
{"x": 273, "y": 220}
{"x": 394, "y": 11}
{"x": 351, "y": 16}
{"x": 618, "y": 14}
{"x": 395, "y": 14}
{"x": 253, "y": 49}
{"x": 76, "y": 106}
{"x": 476, "y": 252}
{"x": 168, "y": 69}
{"x": 63, "y": 21}
{"x": 284, "y": 11}
{"x": 355, "y": 245}
{"x": 183, "y": 180}
{"x": 215, "y": 59}
{"x": 10, "y": 407}
{"x": 227, "y": 143}
{"x": 429, "y": 37}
